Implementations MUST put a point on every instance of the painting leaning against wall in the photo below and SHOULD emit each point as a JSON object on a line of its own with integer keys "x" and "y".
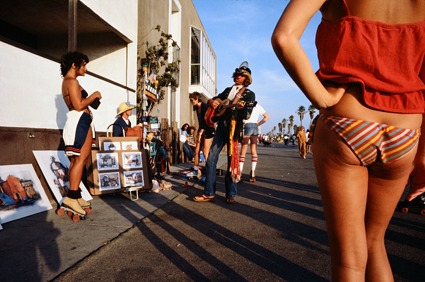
{"x": 21, "y": 193}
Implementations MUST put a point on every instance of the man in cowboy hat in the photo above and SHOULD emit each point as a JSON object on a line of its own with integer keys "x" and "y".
{"x": 122, "y": 122}
{"x": 229, "y": 131}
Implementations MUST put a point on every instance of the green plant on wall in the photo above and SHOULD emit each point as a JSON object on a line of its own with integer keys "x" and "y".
{"x": 156, "y": 72}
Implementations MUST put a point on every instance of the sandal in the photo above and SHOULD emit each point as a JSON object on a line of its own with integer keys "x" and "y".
{"x": 231, "y": 201}
{"x": 203, "y": 198}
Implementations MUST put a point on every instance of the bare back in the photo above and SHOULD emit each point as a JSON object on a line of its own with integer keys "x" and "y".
{"x": 386, "y": 11}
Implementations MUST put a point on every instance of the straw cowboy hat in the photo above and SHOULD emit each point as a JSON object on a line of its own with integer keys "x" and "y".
{"x": 124, "y": 107}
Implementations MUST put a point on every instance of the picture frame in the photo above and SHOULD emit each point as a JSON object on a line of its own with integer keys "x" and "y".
{"x": 133, "y": 178}
{"x": 132, "y": 160}
{"x": 21, "y": 193}
{"x": 111, "y": 146}
{"x": 107, "y": 161}
{"x": 109, "y": 181}
{"x": 54, "y": 165}
{"x": 130, "y": 146}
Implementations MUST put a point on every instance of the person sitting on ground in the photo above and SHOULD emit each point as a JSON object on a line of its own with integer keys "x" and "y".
{"x": 190, "y": 141}
{"x": 184, "y": 146}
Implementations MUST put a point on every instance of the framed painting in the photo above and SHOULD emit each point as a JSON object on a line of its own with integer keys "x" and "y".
{"x": 54, "y": 165}
{"x": 133, "y": 178}
{"x": 107, "y": 161}
{"x": 130, "y": 145}
{"x": 111, "y": 146}
{"x": 131, "y": 160}
{"x": 109, "y": 181}
{"x": 21, "y": 193}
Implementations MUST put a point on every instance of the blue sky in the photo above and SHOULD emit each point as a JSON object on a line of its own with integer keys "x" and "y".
{"x": 240, "y": 30}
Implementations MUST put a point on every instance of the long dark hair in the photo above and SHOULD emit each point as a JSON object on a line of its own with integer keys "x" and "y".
{"x": 184, "y": 126}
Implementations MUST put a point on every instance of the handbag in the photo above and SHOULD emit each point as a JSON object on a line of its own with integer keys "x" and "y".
{"x": 136, "y": 131}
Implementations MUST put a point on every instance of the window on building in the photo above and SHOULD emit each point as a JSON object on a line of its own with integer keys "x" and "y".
{"x": 176, "y": 59}
{"x": 202, "y": 61}
{"x": 195, "y": 57}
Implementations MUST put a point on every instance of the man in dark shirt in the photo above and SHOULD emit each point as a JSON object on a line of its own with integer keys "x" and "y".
{"x": 239, "y": 102}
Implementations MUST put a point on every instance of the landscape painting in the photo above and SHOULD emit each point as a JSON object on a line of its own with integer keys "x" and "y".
{"x": 21, "y": 193}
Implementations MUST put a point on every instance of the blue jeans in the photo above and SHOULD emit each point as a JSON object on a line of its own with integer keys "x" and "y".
{"x": 220, "y": 139}
{"x": 188, "y": 151}
{"x": 250, "y": 129}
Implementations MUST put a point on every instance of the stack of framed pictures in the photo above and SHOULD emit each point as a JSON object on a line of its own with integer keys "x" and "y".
{"x": 120, "y": 164}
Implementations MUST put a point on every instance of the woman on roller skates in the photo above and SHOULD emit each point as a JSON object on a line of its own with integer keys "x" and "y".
{"x": 78, "y": 132}
{"x": 370, "y": 92}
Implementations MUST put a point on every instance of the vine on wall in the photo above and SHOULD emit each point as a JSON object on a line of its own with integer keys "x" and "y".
{"x": 156, "y": 72}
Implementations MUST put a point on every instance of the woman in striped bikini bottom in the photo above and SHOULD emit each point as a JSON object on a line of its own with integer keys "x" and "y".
{"x": 371, "y": 141}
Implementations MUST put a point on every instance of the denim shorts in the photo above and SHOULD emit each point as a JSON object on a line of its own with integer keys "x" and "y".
{"x": 250, "y": 129}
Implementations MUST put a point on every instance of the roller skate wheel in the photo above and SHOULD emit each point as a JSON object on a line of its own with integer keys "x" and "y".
{"x": 404, "y": 209}
{"x": 75, "y": 218}
{"x": 423, "y": 212}
{"x": 69, "y": 214}
{"x": 60, "y": 212}
{"x": 88, "y": 211}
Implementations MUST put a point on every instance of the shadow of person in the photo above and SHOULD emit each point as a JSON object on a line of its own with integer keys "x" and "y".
{"x": 28, "y": 246}
{"x": 61, "y": 111}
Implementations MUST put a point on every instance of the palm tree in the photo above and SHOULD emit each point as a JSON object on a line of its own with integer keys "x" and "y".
{"x": 284, "y": 122}
{"x": 291, "y": 123}
{"x": 311, "y": 111}
{"x": 280, "y": 127}
{"x": 301, "y": 112}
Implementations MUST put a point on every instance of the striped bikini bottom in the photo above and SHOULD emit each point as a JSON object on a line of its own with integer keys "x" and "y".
{"x": 372, "y": 141}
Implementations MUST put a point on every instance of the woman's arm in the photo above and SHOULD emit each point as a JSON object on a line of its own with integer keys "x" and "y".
{"x": 264, "y": 119}
{"x": 79, "y": 103}
{"x": 285, "y": 42}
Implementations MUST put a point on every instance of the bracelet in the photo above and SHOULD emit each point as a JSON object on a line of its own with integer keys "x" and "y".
{"x": 239, "y": 96}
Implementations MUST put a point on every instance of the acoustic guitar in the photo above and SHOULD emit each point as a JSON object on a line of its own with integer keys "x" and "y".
{"x": 212, "y": 115}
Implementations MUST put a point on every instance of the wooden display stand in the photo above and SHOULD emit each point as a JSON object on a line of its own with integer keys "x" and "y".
{"x": 119, "y": 165}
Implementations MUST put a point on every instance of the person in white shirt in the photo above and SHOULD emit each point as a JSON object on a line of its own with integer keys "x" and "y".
{"x": 250, "y": 134}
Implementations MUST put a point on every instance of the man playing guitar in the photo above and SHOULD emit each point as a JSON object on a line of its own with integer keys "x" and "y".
{"x": 229, "y": 131}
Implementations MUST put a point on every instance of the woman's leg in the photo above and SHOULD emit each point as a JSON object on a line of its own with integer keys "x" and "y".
{"x": 254, "y": 157}
{"x": 196, "y": 152}
{"x": 244, "y": 149}
{"x": 78, "y": 163}
{"x": 344, "y": 188}
{"x": 386, "y": 185}
{"x": 188, "y": 151}
{"x": 73, "y": 199}
{"x": 207, "y": 147}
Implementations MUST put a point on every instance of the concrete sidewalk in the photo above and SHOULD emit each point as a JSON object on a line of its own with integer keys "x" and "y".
{"x": 276, "y": 232}
{"x": 41, "y": 246}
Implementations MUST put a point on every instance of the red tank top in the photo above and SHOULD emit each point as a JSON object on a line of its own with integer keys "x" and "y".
{"x": 386, "y": 59}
